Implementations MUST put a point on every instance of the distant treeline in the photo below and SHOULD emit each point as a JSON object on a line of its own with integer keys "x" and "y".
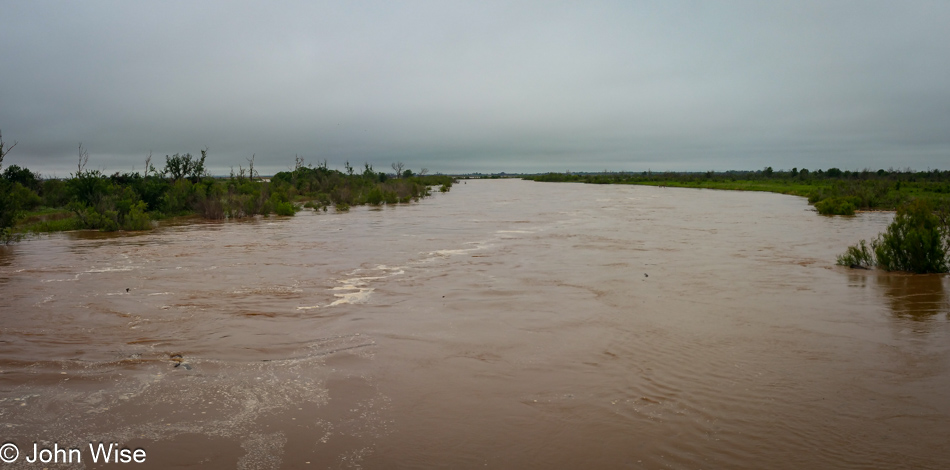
{"x": 90, "y": 199}
{"x": 832, "y": 191}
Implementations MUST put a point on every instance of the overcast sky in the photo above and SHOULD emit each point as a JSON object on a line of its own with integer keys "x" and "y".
{"x": 478, "y": 86}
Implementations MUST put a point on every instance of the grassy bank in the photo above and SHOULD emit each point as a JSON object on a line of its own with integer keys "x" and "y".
{"x": 832, "y": 192}
{"x": 90, "y": 199}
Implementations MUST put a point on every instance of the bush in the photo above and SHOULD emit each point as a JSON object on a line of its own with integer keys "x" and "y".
{"x": 375, "y": 196}
{"x": 836, "y": 206}
{"x": 137, "y": 218}
{"x": 179, "y": 198}
{"x": 917, "y": 241}
{"x": 55, "y": 193}
{"x": 284, "y": 208}
{"x": 857, "y": 256}
{"x": 89, "y": 187}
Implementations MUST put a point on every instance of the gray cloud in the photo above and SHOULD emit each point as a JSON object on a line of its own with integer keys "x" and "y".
{"x": 479, "y": 86}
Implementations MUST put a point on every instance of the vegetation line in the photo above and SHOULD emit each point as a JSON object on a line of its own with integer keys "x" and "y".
{"x": 832, "y": 192}
{"x": 89, "y": 199}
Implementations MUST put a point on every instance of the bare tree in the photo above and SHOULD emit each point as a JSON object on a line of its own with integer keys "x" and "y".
{"x": 423, "y": 172}
{"x": 398, "y": 168}
{"x": 148, "y": 164}
{"x": 250, "y": 161}
{"x": 4, "y": 150}
{"x": 83, "y": 160}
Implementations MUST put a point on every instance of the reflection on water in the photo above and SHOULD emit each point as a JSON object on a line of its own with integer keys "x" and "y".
{"x": 6, "y": 255}
{"x": 915, "y": 297}
{"x": 505, "y": 324}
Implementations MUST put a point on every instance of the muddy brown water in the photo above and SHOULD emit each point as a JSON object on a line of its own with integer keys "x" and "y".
{"x": 506, "y": 324}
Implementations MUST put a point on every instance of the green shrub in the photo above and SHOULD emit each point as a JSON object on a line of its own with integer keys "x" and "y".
{"x": 14, "y": 200}
{"x": 89, "y": 187}
{"x": 916, "y": 241}
{"x": 90, "y": 218}
{"x": 857, "y": 256}
{"x": 55, "y": 193}
{"x": 836, "y": 206}
{"x": 179, "y": 197}
{"x": 137, "y": 218}
{"x": 107, "y": 221}
{"x": 284, "y": 208}
{"x": 375, "y": 196}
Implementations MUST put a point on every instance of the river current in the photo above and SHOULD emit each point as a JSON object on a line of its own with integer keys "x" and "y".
{"x": 505, "y": 324}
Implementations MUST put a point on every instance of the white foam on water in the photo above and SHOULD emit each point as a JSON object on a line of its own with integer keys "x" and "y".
{"x": 251, "y": 390}
{"x": 269, "y": 290}
{"x": 74, "y": 278}
{"x": 108, "y": 270}
{"x": 359, "y": 284}
{"x": 358, "y": 297}
{"x": 460, "y": 251}
{"x": 451, "y": 252}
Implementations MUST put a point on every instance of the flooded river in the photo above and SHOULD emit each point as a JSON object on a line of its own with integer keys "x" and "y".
{"x": 505, "y": 324}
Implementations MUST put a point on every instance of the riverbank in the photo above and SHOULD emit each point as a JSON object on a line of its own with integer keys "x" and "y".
{"x": 90, "y": 199}
{"x": 832, "y": 192}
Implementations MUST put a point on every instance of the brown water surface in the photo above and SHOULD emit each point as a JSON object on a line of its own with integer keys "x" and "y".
{"x": 506, "y": 324}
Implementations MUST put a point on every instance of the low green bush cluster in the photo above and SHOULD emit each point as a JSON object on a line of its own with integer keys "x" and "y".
{"x": 333, "y": 187}
{"x": 285, "y": 208}
{"x": 917, "y": 241}
{"x": 837, "y": 205}
{"x": 857, "y": 256}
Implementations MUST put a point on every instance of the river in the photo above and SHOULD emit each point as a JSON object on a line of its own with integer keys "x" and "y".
{"x": 505, "y": 324}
